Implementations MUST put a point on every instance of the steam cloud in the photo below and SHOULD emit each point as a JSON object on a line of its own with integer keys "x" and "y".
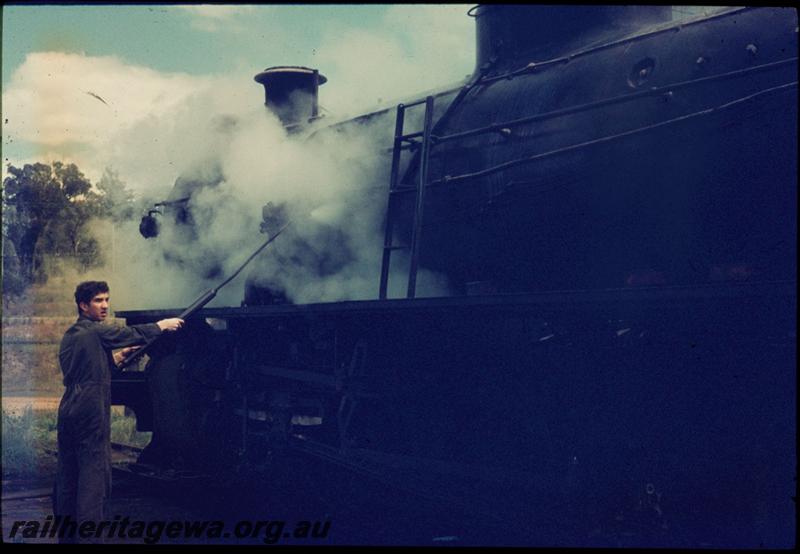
{"x": 156, "y": 126}
{"x": 334, "y": 186}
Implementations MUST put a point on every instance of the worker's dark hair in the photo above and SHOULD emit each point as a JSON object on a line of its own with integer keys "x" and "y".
{"x": 87, "y": 290}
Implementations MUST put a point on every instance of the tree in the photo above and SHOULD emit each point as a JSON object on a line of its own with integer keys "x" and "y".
{"x": 67, "y": 235}
{"x": 39, "y": 199}
{"x": 116, "y": 201}
{"x": 46, "y": 213}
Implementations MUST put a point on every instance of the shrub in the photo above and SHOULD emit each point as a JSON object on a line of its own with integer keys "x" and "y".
{"x": 123, "y": 429}
{"x": 26, "y": 439}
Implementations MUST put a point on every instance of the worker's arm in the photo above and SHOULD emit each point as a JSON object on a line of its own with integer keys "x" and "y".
{"x": 124, "y": 353}
{"x": 120, "y": 337}
{"x": 171, "y": 324}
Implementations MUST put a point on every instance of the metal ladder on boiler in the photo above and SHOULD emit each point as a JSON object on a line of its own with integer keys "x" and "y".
{"x": 413, "y": 141}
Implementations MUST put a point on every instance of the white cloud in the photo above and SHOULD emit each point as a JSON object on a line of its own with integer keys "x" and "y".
{"x": 52, "y": 98}
{"x": 214, "y": 17}
{"x": 52, "y": 102}
{"x": 153, "y": 126}
{"x": 415, "y": 48}
{"x": 150, "y": 125}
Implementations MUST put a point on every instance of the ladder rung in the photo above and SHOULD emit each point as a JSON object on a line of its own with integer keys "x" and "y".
{"x": 411, "y": 146}
{"x": 411, "y": 141}
{"x": 417, "y": 103}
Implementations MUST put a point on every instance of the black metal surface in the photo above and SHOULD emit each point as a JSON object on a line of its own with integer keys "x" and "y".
{"x": 506, "y": 393}
{"x": 649, "y": 128}
{"x": 419, "y": 209}
{"x": 651, "y": 91}
{"x": 581, "y": 50}
{"x": 508, "y": 33}
{"x": 630, "y": 195}
{"x": 390, "y": 211}
{"x": 130, "y": 389}
{"x": 291, "y": 92}
{"x": 695, "y": 149}
{"x": 744, "y": 291}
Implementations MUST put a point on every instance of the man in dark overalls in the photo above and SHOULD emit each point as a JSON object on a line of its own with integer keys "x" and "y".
{"x": 84, "y": 415}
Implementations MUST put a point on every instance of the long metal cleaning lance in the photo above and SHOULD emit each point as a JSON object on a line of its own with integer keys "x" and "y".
{"x": 202, "y": 300}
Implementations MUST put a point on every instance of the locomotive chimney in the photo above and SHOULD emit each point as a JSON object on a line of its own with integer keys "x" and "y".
{"x": 506, "y": 32}
{"x": 291, "y": 92}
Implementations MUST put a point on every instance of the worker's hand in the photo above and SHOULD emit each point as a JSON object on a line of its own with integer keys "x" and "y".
{"x": 120, "y": 355}
{"x": 172, "y": 324}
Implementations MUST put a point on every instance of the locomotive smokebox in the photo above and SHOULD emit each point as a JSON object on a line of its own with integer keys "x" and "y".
{"x": 506, "y": 32}
{"x": 291, "y": 92}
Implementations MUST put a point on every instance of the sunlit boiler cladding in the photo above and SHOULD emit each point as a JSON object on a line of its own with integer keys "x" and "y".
{"x": 612, "y": 199}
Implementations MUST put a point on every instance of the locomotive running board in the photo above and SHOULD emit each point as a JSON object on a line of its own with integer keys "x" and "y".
{"x": 497, "y": 301}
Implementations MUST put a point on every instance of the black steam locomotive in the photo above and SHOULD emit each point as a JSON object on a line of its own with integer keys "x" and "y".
{"x": 612, "y": 196}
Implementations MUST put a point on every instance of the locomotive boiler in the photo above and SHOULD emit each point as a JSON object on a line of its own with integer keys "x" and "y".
{"x": 612, "y": 198}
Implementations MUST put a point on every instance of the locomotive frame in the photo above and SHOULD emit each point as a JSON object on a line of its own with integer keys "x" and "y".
{"x": 560, "y": 399}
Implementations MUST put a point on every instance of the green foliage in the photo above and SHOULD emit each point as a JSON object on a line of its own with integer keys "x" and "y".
{"x": 123, "y": 429}
{"x": 26, "y": 438}
{"x": 115, "y": 200}
{"x": 46, "y": 214}
{"x": 29, "y": 439}
{"x": 13, "y": 283}
{"x": 30, "y": 368}
{"x": 32, "y": 197}
{"x": 67, "y": 235}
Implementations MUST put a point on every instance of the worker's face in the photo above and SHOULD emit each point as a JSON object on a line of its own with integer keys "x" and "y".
{"x": 97, "y": 308}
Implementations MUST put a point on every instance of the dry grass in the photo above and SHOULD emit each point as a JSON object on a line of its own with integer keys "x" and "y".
{"x": 32, "y": 329}
{"x": 51, "y": 299}
{"x": 31, "y": 370}
{"x": 33, "y": 325}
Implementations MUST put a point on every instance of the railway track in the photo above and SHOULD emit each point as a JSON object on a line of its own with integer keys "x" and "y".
{"x": 127, "y": 450}
{"x": 117, "y": 446}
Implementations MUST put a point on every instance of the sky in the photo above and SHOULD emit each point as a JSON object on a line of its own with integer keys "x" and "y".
{"x": 150, "y": 92}
{"x": 158, "y": 92}
{"x": 78, "y": 79}
{"x": 86, "y": 83}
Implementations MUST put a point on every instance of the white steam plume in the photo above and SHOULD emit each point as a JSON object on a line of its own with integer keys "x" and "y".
{"x": 333, "y": 185}
{"x": 152, "y": 127}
